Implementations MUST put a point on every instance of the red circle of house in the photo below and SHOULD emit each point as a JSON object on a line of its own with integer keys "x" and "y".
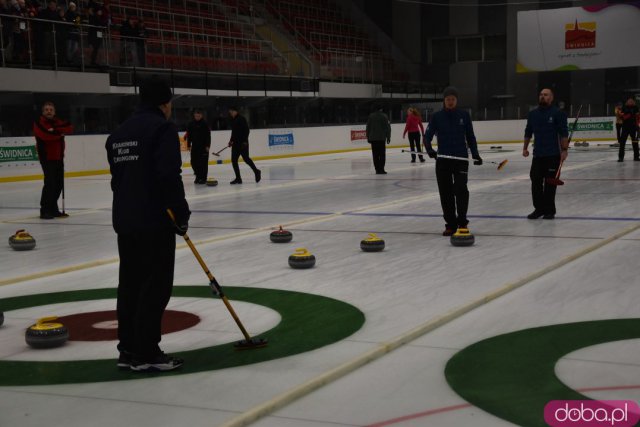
{"x": 103, "y": 325}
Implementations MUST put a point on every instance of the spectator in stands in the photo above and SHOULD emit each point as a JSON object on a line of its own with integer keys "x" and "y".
{"x": 61, "y": 36}
{"x": 96, "y": 30}
{"x": 127, "y": 41}
{"x": 198, "y": 138}
{"x": 44, "y": 32}
{"x": 378, "y": 132}
{"x": 49, "y": 131}
{"x": 7, "y": 26}
{"x": 19, "y": 30}
{"x": 73, "y": 32}
{"x": 141, "y": 34}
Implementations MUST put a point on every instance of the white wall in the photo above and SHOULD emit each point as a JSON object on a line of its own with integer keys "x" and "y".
{"x": 86, "y": 153}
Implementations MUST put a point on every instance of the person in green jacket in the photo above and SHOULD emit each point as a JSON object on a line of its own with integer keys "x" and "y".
{"x": 378, "y": 132}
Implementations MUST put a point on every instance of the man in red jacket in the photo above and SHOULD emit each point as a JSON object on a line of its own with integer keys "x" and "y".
{"x": 49, "y": 131}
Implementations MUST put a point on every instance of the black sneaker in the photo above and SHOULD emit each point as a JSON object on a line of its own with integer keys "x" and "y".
{"x": 548, "y": 216}
{"x": 45, "y": 215}
{"x": 61, "y": 215}
{"x": 125, "y": 360}
{"x": 258, "y": 175}
{"x": 535, "y": 215}
{"x": 236, "y": 181}
{"x": 422, "y": 160}
{"x": 413, "y": 160}
{"x": 162, "y": 362}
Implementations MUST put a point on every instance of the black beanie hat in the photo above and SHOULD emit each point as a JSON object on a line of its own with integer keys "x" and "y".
{"x": 155, "y": 92}
{"x": 450, "y": 91}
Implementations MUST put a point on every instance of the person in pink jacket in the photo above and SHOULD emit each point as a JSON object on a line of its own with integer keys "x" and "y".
{"x": 415, "y": 130}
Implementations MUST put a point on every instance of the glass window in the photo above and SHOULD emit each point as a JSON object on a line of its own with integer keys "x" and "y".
{"x": 495, "y": 48}
{"x": 443, "y": 51}
{"x": 470, "y": 49}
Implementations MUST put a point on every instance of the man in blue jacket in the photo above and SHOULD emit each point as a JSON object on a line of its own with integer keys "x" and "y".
{"x": 144, "y": 158}
{"x": 549, "y": 127}
{"x": 455, "y": 136}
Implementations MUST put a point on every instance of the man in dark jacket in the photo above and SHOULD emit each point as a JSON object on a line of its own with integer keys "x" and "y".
{"x": 198, "y": 138}
{"x": 629, "y": 113}
{"x": 144, "y": 158}
{"x": 455, "y": 137}
{"x": 49, "y": 132}
{"x": 378, "y": 132}
{"x": 239, "y": 144}
{"x": 549, "y": 126}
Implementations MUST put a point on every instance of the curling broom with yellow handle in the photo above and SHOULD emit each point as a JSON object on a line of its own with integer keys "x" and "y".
{"x": 248, "y": 342}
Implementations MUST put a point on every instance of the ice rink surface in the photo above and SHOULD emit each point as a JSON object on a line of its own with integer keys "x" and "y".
{"x": 423, "y": 300}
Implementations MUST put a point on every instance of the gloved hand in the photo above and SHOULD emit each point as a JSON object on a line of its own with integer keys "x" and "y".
{"x": 230, "y": 143}
{"x": 477, "y": 160}
{"x": 389, "y": 141}
{"x": 181, "y": 229}
{"x": 432, "y": 153}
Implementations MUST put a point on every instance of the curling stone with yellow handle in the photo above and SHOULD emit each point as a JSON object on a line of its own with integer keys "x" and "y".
{"x": 22, "y": 241}
{"x": 462, "y": 237}
{"x": 372, "y": 243}
{"x": 302, "y": 258}
{"x": 46, "y": 333}
{"x": 212, "y": 182}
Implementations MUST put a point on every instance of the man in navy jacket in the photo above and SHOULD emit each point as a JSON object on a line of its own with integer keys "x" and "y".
{"x": 455, "y": 136}
{"x": 144, "y": 158}
{"x": 549, "y": 126}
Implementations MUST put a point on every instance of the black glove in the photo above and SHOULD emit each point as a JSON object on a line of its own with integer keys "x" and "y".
{"x": 181, "y": 229}
{"x": 388, "y": 141}
{"x": 432, "y": 153}
{"x": 477, "y": 160}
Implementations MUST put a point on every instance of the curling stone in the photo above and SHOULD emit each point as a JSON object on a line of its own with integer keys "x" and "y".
{"x": 22, "y": 241}
{"x": 372, "y": 243}
{"x": 585, "y": 144}
{"x": 281, "y": 236}
{"x": 1, "y": 318}
{"x": 46, "y": 333}
{"x": 302, "y": 258}
{"x": 212, "y": 182}
{"x": 496, "y": 147}
{"x": 462, "y": 237}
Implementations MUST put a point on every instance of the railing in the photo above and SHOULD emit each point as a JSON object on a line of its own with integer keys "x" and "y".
{"x": 168, "y": 20}
{"x": 46, "y": 44}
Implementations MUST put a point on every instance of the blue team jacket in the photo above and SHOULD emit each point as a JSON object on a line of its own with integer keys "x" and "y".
{"x": 547, "y": 125}
{"x": 454, "y": 131}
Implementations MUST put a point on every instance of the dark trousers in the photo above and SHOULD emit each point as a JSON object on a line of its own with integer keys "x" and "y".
{"x": 452, "y": 178}
{"x": 543, "y": 194}
{"x": 378, "y": 150}
{"x": 414, "y": 143}
{"x": 625, "y": 133}
{"x": 145, "y": 282}
{"x": 241, "y": 150}
{"x": 200, "y": 163}
{"x": 53, "y": 182}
